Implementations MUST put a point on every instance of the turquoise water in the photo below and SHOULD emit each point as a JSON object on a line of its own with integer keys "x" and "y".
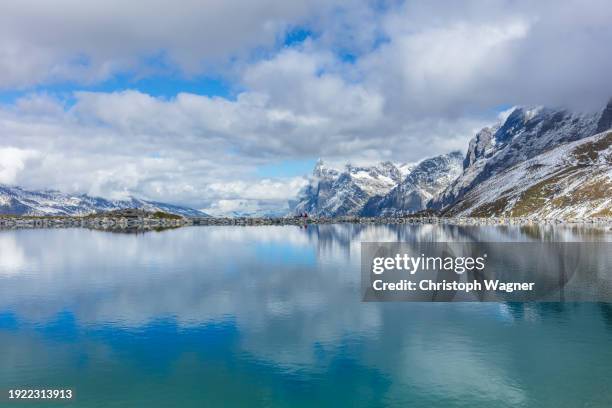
{"x": 272, "y": 316}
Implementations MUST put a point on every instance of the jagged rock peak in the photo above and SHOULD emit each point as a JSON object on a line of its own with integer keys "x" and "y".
{"x": 322, "y": 170}
{"x": 479, "y": 145}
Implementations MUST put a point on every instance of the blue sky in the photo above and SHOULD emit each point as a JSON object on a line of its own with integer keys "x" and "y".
{"x": 290, "y": 168}
{"x": 164, "y": 86}
{"x": 165, "y": 82}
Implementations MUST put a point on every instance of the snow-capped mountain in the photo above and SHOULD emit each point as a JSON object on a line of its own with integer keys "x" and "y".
{"x": 378, "y": 189}
{"x": 333, "y": 192}
{"x": 524, "y": 134}
{"x": 246, "y": 209}
{"x": 427, "y": 179}
{"x": 18, "y": 201}
{"x": 573, "y": 180}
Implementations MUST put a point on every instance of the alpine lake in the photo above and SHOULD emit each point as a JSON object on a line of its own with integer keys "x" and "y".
{"x": 272, "y": 316}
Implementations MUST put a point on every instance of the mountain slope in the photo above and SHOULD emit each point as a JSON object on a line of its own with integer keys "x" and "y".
{"x": 524, "y": 134}
{"x": 18, "y": 201}
{"x": 571, "y": 181}
{"x": 427, "y": 179}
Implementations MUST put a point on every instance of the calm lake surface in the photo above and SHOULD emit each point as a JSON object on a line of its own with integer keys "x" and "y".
{"x": 272, "y": 316}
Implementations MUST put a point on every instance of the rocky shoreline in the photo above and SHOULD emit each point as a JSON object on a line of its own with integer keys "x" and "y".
{"x": 144, "y": 221}
{"x": 102, "y": 223}
{"x": 398, "y": 220}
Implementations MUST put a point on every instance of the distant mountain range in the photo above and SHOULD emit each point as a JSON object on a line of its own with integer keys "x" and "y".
{"x": 536, "y": 162}
{"x": 18, "y": 201}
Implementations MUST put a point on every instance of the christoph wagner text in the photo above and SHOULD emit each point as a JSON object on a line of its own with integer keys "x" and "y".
{"x": 429, "y": 285}
{"x": 413, "y": 264}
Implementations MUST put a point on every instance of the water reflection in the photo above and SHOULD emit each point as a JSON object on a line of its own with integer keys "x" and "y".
{"x": 272, "y": 315}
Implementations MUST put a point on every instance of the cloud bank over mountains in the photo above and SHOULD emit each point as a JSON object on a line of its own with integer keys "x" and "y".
{"x": 350, "y": 81}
